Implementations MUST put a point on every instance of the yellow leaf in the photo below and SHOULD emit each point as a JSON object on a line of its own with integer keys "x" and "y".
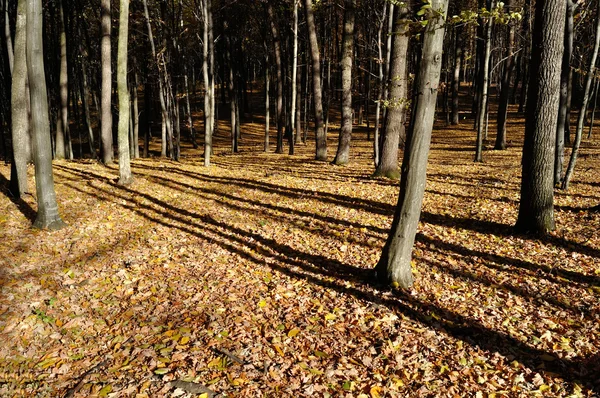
{"x": 375, "y": 391}
{"x": 293, "y": 333}
{"x": 262, "y": 303}
{"x": 105, "y": 390}
{"x": 330, "y": 317}
{"x": 184, "y": 340}
{"x": 161, "y": 371}
{"x": 203, "y": 395}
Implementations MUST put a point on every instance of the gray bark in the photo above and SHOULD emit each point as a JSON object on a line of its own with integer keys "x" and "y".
{"x": 320, "y": 136}
{"x": 504, "y": 94}
{"x": 394, "y": 265}
{"x": 343, "y": 152}
{"x": 536, "y": 207}
{"x": 62, "y": 123}
{"x": 47, "y": 215}
{"x": 485, "y": 73}
{"x": 125, "y": 176}
{"x": 395, "y": 133}
{"x": 106, "y": 138}
{"x": 21, "y": 135}
{"x": 456, "y": 76}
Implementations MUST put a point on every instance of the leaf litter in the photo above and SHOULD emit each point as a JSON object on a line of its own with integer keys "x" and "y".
{"x": 252, "y": 278}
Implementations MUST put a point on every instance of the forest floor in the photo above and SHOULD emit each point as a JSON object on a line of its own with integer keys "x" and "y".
{"x": 252, "y": 278}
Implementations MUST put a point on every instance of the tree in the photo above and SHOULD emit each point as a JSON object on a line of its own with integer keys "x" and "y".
{"x": 565, "y": 86}
{"x": 484, "y": 80}
{"x": 394, "y": 132}
{"x": 20, "y": 106}
{"x": 504, "y": 93}
{"x": 343, "y": 151}
{"x": 321, "y": 138}
{"x": 47, "y": 215}
{"x": 394, "y": 266}
{"x": 106, "y": 138}
{"x": 279, "y": 73}
{"x": 125, "y": 176}
{"x": 536, "y": 207}
{"x": 584, "y": 103}
{"x": 63, "y": 142}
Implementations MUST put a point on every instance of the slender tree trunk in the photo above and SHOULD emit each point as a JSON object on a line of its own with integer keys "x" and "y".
{"x": 136, "y": 117}
{"x": 294, "y": 129}
{"x": 583, "y": 110}
{"x": 485, "y": 81}
{"x": 47, "y": 215}
{"x": 321, "y": 138}
{"x": 106, "y": 136}
{"x": 456, "y": 75}
{"x": 232, "y": 99}
{"x": 8, "y": 37}
{"x": 279, "y": 72}
{"x": 208, "y": 121}
{"x": 62, "y": 124}
{"x": 536, "y": 207}
{"x": 21, "y": 135}
{"x": 394, "y": 132}
{"x": 85, "y": 98}
{"x": 394, "y": 266}
{"x": 565, "y": 75}
{"x": 596, "y": 86}
{"x": 343, "y": 152}
{"x": 381, "y": 85}
{"x": 125, "y": 176}
{"x": 189, "y": 111}
{"x": 267, "y": 105}
{"x": 504, "y": 94}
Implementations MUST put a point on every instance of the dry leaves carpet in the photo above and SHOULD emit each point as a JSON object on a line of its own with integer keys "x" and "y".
{"x": 252, "y": 278}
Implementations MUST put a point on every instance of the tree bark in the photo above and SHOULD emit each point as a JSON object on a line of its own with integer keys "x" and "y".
{"x": 583, "y": 110}
{"x": 381, "y": 85}
{"x": 343, "y": 152}
{"x": 47, "y": 215}
{"x": 504, "y": 94}
{"x": 394, "y": 266}
{"x": 485, "y": 78}
{"x": 279, "y": 73}
{"x": 125, "y": 176}
{"x": 394, "y": 133}
{"x": 565, "y": 75}
{"x": 293, "y": 127}
{"x": 21, "y": 135}
{"x": 106, "y": 136}
{"x": 536, "y": 207}
{"x": 8, "y": 37}
{"x": 267, "y": 105}
{"x": 62, "y": 125}
{"x": 456, "y": 75}
{"x": 320, "y": 136}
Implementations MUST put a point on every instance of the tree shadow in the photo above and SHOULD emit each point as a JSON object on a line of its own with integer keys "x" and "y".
{"x": 348, "y": 280}
{"x": 21, "y": 204}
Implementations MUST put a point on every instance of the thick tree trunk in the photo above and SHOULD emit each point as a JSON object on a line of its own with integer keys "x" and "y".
{"x": 320, "y": 136}
{"x": 536, "y": 207}
{"x": 343, "y": 152}
{"x": 565, "y": 75}
{"x": 394, "y": 266}
{"x": 125, "y": 176}
{"x": 47, "y": 215}
{"x": 485, "y": 82}
{"x": 504, "y": 94}
{"x": 394, "y": 133}
{"x": 106, "y": 137}
{"x": 21, "y": 135}
{"x": 583, "y": 110}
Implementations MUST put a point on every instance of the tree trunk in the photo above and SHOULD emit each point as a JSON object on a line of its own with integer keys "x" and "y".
{"x": 293, "y": 128}
{"x": 208, "y": 125}
{"x": 47, "y": 215}
{"x": 456, "y": 75}
{"x": 125, "y": 176}
{"x": 343, "y": 152}
{"x": 62, "y": 124}
{"x": 394, "y": 132}
{"x": 21, "y": 135}
{"x": 320, "y": 136}
{"x": 485, "y": 82}
{"x": 189, "y": 111}
{"x": 505, "y": 91}
{"x": 232, "y": 99}
{"x": 381, "y": 88}
{"x": 279, "y": 72}
{"x": 583, "y": 110}
{"x": 565, "y": 75}
{"x": 136, "y": 117}
{"x": 8, "y": 37}
{"x": 394, "y": 266}
{"x": 536, "y": 207}
{"x": 106, "y": 136}
{"x": 267, "y": 105}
